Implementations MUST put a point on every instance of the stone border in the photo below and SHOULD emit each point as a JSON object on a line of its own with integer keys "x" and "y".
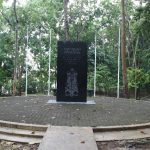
{"x": 25, "y": 126}
{"x": 121, "y": 127}
{"x": 37, "y": 127}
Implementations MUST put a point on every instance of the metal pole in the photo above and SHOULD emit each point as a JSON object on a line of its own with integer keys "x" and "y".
{"x": 26, "y": 89}
{"x": 118, "y": 85}
{"x": 95, "y": 68}
{"x": 49, "y": 72}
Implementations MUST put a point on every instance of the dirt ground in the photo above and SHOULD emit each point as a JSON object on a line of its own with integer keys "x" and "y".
{"x": 6, "y": 145}
{"x": 141, "y": 144}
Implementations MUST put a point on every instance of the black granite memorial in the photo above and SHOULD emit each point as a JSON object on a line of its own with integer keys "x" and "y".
{"x": 72, "y": 72}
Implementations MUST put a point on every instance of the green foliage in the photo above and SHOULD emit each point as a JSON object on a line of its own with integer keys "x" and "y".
{"x": 139, "y": 48}
{"x": 104, "y": 79}
{"x": 137, "y": 78}
{"x": 140, "y": 26}
{"x": 85, "y": 20}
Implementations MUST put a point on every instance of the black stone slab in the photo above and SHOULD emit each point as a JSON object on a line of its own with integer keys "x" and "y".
{"x": 72, "y": 72}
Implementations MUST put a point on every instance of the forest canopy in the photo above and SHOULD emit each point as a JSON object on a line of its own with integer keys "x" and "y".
{"x": 25, "y": 31}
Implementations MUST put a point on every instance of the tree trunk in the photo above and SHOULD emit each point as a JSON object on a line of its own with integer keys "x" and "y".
{"x": 123, "y": 50}
{"x": 138, "y": 94}
{"x": 135, "y": 65}
{"x": 66, "y": 19}
{"x": 16, "y": 49}
{"x": 129, "y": 43}
{"x": 20, "y": 80}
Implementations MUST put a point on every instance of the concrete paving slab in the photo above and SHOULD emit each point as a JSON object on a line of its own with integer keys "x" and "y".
{"x": 53, "y": 101}
{"x": 68, "y": 138}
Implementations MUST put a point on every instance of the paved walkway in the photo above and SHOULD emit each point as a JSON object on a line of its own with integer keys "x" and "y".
{"x": 106, "y": 112}
{"x": 68, "y": 138}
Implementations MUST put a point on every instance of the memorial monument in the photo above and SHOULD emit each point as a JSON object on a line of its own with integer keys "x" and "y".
{"x": 72, "y": 72}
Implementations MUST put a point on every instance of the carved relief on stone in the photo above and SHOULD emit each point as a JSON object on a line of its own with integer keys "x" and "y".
{"x": 71, "y": 88}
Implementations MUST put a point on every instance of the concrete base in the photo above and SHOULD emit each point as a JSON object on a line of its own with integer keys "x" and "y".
{"x": 89, "y": 102}
{"x": 68, "y": 138}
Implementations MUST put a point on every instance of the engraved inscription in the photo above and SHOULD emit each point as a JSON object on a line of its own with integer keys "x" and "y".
{"x": 71, "y": 88}
{"x": 72, "y": 55}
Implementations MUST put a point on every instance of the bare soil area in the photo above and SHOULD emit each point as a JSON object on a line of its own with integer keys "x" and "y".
{"x": 6, "y": 145}
{"x": 141, "y": 144}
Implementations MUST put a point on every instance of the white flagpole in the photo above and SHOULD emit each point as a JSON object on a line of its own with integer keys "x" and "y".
{"x": 95, "y": 67}
{"x": 49, "y": 72}
{"x": 26, "y": 88}
{"x": 118, "y": 84}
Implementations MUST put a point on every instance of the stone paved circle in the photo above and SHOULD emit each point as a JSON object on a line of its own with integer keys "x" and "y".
{"x": 106, "y": 112}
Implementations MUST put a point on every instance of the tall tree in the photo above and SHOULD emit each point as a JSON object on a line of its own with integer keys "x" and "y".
{"x": 16, "y": 48}
{"x": 123, "y": 50}
{"x": 66, "y": 19}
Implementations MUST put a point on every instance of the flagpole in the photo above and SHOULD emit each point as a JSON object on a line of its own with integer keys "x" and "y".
{"x": 95, "y": 67}
{"x": 49, "y": 72}
{"x": 118, "y": 84}
{"x": 26, "y": 88}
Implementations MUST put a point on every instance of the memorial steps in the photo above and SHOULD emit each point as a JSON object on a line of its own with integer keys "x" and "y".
{"x": 31, "y": 133}
{"x": 24, "y": 133}
{"x": 124, "y": 132}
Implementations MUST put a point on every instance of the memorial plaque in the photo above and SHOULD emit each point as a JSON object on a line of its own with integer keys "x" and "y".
{"x": 72, "y": 72}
